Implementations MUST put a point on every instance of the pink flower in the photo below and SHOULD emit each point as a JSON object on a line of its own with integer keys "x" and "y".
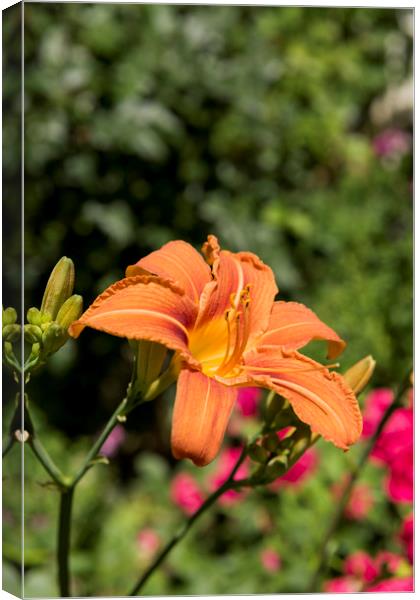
{"x": 248, "y": 398}
{"x": 406, "y": 536}
{"x": 376, "y": 404}
{"x": 341, "y": 585}
{"x": 148, "y": 541}
{"x": 270, "y": 560}
{"x": 225, "y": 464}
{"x": 186, "y": 493}
{"x": 394, "y": 447}
{"x": 399, "y": 483}
{"x": 388, "y": 561}
{"x": 301, "y": 470}
{"x": 396, "y": 437}
{"x": 360, "y": 502}
{"x": 400, "y": 584}
{"x": 392, "y": 142}
{"x": 113, "y": 442}
{"x": 361, "y": 566}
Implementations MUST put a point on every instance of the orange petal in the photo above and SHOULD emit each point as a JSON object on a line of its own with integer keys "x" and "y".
{"x": 232, "y": 272}
{"x": 143, "y": 308}
{"x": 179, "y": 262}
{"x": 319, "y": 397}
{"x": 293, "y": 325}
{"x": 201, "y": 413}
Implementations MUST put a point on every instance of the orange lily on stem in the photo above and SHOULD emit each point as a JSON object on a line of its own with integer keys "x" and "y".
{"x": 219, "y": 317}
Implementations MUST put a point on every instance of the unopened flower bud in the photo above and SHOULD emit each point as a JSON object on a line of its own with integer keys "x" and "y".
{"x": 150, "y": 359}
{"x": 8, "y": 350}
{"x": 32, "y": 333}
{"x": 359, "y": 374}
{"x": 275, "y": 468}
{"x": 9, "y": 316}
{"x": 11, "y": 332}
{"x": 257, "y": 453}
{"x": 59, "y": 287}
{"x": 273, "y": 405}
{"x": 70, "y": 311}
{"x": 36, "y": 350}
{"x": 34, "y": 316}
{"x": 53, "y": 338}
{"x": 271, "y": 442}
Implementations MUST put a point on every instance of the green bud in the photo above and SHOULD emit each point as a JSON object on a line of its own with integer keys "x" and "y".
{"x": 359, "y": 374}
{"x": 8, "y": 351}
{"x": 150, "y": 357}
{"x": 36, "y": 350}
{"x": 270, "y": 442}
{"x": 32, "y": 333}
{"x": 59, "y": 287}
{"x": 34, "y": 316}
{"x": 276, "y": 467}
{"x": 273, "y": 405}
{"x": 70, "y": 311}
{"x": 11, "y": 332}
{"x": 257, "y": 453}
{"x": 9, "y": 316}
{"x": 53, "y": 338}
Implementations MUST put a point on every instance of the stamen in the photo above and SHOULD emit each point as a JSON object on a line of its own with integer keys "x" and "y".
{"x": 231, "y": 358}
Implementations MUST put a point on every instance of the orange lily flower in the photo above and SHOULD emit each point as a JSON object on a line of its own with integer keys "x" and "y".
{"x": 221, "y": 320}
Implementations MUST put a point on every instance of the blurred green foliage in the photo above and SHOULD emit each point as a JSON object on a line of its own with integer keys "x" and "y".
{"x": 145, "y": 124}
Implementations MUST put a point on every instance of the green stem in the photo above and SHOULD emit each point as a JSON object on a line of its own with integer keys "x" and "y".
{"x": 47, "y": 462}
{"x": 63, "y": 542}
{"x": 8, "y": 445}
{"x": 113, "y": 421}
{"x": 229, "y": 484}
{"x": 354, "y": 475}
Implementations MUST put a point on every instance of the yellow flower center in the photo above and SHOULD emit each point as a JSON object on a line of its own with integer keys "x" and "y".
{"x": 219, "y": 344}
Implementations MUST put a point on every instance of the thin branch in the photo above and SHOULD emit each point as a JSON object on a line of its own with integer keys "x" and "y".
{"x": 229, "y": 484}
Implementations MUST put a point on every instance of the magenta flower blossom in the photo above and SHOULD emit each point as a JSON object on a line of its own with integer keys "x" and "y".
{"x": 341, "y": 585}
{"x": 186, "y": 493}
{"x": 396, "y": 584}
{"x": 394, "y": 447}
{"x": 113, "y": 442}
{"x": 270, "y": 560}
{"x": 392, "y": 142}
{"x": 399, "y": 483}
{"x": 248, "y": 398}
{"x": 225, "y": 464}
{"x": 406, "y": 536}
{"x": 388, "y": 561}
{"x": 361, "y": 566}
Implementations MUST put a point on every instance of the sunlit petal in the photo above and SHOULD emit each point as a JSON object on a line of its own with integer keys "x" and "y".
{"x": 177, "y": 261}
{"x": 143, "y": 307}
{"x": 319, "y": 397}
{"x": 201, "y": 413}
{"x": 293, "y": 325}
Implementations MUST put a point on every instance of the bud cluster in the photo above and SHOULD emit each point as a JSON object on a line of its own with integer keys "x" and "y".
{"x": 46, "y": 329}
{"x": 274, "y": 454}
